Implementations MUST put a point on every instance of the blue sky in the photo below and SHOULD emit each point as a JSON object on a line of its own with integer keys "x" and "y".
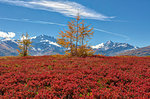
{"x": 117, "y": 20}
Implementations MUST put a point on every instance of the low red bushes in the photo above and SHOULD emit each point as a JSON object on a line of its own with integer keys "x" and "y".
{"x": 62, "y": 77}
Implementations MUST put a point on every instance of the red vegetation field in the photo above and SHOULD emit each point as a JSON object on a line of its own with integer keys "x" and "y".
{"x": 46, "y": 77}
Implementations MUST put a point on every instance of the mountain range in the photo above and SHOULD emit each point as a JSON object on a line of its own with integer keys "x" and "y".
{"x": 112, "y": 48}
{"x": 47, "y": 45}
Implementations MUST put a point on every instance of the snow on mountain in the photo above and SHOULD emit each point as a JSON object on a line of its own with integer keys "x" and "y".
{"x": 11, "y": 43}
{"x": 46, "y": 45}
{"x": 8, "y": 47}
{"x": 111, "y": 45}
{"x": 53, "y": 43}
{"x": 42, "y": 45}
{"x": 98, "y": 46}
{"x": 33, "y": 37}
{"x": 6, "y": 39}
{"x": 112, "y": 48}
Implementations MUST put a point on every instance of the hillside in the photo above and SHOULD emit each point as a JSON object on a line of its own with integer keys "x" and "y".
{"x": 60, "y": 77}
{"x": 8, "y": 47}
{"x": 145, "y": 51}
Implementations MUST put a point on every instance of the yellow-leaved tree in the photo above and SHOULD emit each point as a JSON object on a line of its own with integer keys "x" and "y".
{"x": 24, "y": 45}
{"x": 75, "y": 39}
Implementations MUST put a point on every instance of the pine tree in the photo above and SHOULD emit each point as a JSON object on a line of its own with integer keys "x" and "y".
{"x": 85, "y": 34}
{"x": 76, "y": 37}
{"x": 24, "y": 45}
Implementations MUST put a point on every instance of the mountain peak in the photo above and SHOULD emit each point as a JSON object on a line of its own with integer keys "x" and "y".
{"x": 43, "y": 35}
{"x": 45, "y": 45}
{"x": 109, "y": 42}
{"x": 6, "y": 39}
{"x": 110, "y": 48}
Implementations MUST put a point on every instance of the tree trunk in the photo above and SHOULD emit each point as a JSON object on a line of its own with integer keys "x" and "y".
{"x": 77, "y": 38}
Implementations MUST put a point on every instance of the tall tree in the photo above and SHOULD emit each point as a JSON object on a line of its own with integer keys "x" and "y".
{"x": 24, "y": 45}
{"x": 84, "y": 36}
{"x": 76, "y": 37}
{"x": 77, "y": 32}
{"x": 85, "y": 33}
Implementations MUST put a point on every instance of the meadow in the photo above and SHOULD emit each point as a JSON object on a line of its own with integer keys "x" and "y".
{"x": 58, "y": 76}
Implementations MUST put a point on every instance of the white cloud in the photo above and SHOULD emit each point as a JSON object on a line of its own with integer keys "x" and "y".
{"x": 66, "y": 8}
{"x": 51, "y": 23}
{"x": 7, "y": 35}
{"x": 32, "y": 21}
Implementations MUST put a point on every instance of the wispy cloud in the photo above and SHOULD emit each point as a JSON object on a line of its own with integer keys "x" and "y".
{"x": 31, "y": 21}
{"x": 66, "y": 8}
{"x": 7, "y": 35}
{"x": 59, "y": 24}
{"x": 112, "y": 33}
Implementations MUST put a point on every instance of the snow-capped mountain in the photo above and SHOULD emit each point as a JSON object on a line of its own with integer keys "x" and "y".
{"x": 8, "y": 47}
{"x": 46, "y": 45}
{"x": 112, "y": 48}
{"x": 98, "y": 46}
{"x": 42, "y": 45}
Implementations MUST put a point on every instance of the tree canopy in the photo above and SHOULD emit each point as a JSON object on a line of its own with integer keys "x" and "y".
{"x": 75, "y": 39}
{"x": 24, "y": 45}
